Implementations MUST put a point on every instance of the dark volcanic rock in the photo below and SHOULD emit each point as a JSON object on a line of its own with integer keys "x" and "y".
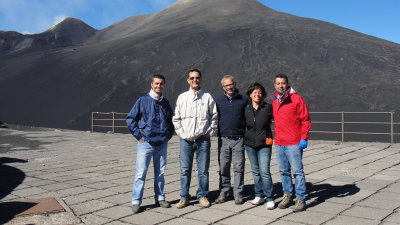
{"x": 8, "y": 39}
{"x": 334, "y": 68}
{"x": 70, "y": 31}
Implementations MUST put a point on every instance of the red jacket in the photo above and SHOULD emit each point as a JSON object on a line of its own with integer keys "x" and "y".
{"x": 292, "y": 119}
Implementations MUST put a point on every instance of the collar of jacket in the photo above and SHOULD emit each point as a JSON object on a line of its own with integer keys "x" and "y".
{"x": 155, "y": 96}
{"x": 262, "y": 105}
{"x": 287, "y": 93}
{"x": 197, "y": 94}
{"x": 235, "y": 94}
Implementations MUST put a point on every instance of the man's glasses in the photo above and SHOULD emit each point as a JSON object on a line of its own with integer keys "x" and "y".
{"x": 228, "y": 85}
{"x": 192, "y": 78}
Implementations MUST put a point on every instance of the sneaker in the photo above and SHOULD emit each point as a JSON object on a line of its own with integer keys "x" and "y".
{"x": 182, "y": 204}
{"x": 204, "y": 202}
{"x": 286, "y": 201}
{"x": 239, "y": 201}
{"x": 299, "y": 205}
{"x": 270, "y": 205}
{"x": 135, "y": 208}
{"x": 163, "y": 204}
{"x": 220, "y": 199}
{"x": 257, "y": 201}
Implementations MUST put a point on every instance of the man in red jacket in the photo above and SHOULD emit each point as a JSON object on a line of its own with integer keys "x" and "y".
{"x": 292, "y": 127}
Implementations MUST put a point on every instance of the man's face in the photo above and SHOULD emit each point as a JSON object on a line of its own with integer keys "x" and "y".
{"x": 280, "y": 85}
{"x": 157, "y": 85}
{"x": 229, "y": 86}
{"x": 194, "y": 80}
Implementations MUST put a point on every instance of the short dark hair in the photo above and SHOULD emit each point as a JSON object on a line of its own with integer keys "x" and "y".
{"x": 255, "y": 86}
{"x": 194, "y": 70}
{"x": 281, "y": 75}
{"x": 159, "y": 76}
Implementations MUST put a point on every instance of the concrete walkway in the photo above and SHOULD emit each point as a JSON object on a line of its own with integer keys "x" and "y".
{"x": 90, "y": 174}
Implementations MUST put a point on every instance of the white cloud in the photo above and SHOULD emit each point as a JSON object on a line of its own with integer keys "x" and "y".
{"x": 58, "y": 19}
{"x": 26, "y": 32}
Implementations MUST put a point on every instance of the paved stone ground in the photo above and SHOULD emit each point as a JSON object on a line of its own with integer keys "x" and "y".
{"x": 90, "y": 174}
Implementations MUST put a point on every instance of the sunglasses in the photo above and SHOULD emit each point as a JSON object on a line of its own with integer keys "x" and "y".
{"x": 192, "y": 78}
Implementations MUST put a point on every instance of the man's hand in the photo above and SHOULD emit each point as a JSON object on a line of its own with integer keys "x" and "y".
{"x": 207, "y": 136}
{"x": 303, "y": 144}
{"x": 141, "y": 139}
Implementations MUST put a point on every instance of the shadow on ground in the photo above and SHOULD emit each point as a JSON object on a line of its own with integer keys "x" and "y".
{"x": 10, "y": 178}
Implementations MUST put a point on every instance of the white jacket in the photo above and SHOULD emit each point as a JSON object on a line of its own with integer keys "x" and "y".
{"x": 195, "y": 115}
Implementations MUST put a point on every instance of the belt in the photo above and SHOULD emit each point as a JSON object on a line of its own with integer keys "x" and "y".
{"x": 235, "y": 138}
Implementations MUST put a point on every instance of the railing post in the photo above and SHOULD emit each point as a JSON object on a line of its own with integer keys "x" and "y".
{"x": 92, "y": 123}
{"x": 342, "y": 126}
{"x": 391, "y": 127}
{"x": 113, "y": 122}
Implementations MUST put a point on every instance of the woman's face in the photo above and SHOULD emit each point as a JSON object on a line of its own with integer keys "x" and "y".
{"x": 256, "y": 96}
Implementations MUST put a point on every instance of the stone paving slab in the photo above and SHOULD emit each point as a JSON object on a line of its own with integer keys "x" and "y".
{"x": 91, "y": 175}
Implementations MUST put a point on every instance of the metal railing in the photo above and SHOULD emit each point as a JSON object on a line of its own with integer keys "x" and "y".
{"x": 390, "y": 123}
{"x": 113, "y": 120}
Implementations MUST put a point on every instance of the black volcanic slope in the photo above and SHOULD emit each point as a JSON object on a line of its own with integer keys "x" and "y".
{"x": 76, "y": 70}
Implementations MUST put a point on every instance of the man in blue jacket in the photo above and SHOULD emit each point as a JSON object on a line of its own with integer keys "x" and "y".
{"x": 231, "y": 107}
{"x": 150, "y": 122}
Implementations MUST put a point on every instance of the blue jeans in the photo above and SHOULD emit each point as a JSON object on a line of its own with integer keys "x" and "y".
{"x": 144, "y": 152}
{"x": 187, "y": 149}
{"x": 290, "y": 160}
{"x": 260, "y": 160}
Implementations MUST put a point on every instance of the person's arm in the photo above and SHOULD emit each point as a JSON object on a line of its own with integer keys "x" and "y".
{"x": 132, "y": 120}
{"x": 304, "y": 117}
{"x": 170, "y": 113}
{"x": 177, "y": 119}
{"x": 213, "y": 129}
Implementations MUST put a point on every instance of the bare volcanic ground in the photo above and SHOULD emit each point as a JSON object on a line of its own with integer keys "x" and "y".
{"x": 56, "y": 79}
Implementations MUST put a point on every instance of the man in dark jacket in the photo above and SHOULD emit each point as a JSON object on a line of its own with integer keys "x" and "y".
{"x": 150, "y": 122}
{"x": 231, "y": 107}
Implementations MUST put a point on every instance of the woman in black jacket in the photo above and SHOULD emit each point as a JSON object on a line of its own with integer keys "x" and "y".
{"x": 258, "y": 143}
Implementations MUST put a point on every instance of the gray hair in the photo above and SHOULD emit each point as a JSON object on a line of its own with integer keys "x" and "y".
{"x": 227, "y": 77}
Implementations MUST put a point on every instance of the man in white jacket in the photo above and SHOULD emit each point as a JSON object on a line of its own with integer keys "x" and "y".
{"x": 195, "y": 121}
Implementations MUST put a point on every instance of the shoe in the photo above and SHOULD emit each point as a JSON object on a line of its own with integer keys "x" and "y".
{"x": 220, "y": 199}
{"x": 299, "y": 205}
{"x": 270, "y": 205}
{"x": 204, "y": 202}
{"x": 257, "y": 201}
{"x": 163, "y": 204}
{"x": 135, "y": 208}
{"x": 286, "y": 201}
{"x": 182, "y": 204}
{"x": 239, "y": 201}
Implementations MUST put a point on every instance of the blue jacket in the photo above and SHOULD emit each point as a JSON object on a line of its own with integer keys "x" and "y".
{"x": 151, "y": 119}
{"x": 231, "y": 115}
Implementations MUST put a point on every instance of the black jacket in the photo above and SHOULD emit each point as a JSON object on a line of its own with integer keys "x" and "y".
{"x": 258, "y": 125}
{"x": 231, "y": 115}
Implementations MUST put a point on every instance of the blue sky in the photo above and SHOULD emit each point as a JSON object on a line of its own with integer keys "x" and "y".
{"x": 379, "y": 18}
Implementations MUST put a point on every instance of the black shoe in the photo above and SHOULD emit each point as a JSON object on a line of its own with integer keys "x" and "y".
{"x": 163, "y": 204}
{"x": 135, "y": 208}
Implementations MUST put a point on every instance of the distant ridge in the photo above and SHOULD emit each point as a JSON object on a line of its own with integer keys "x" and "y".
{"x": 68, "y": 32}
{"x": 57, "y": 78}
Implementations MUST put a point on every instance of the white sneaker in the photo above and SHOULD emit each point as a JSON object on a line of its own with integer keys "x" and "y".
{"x": 257, "y": 201}
{"x": 270, "y": 205}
